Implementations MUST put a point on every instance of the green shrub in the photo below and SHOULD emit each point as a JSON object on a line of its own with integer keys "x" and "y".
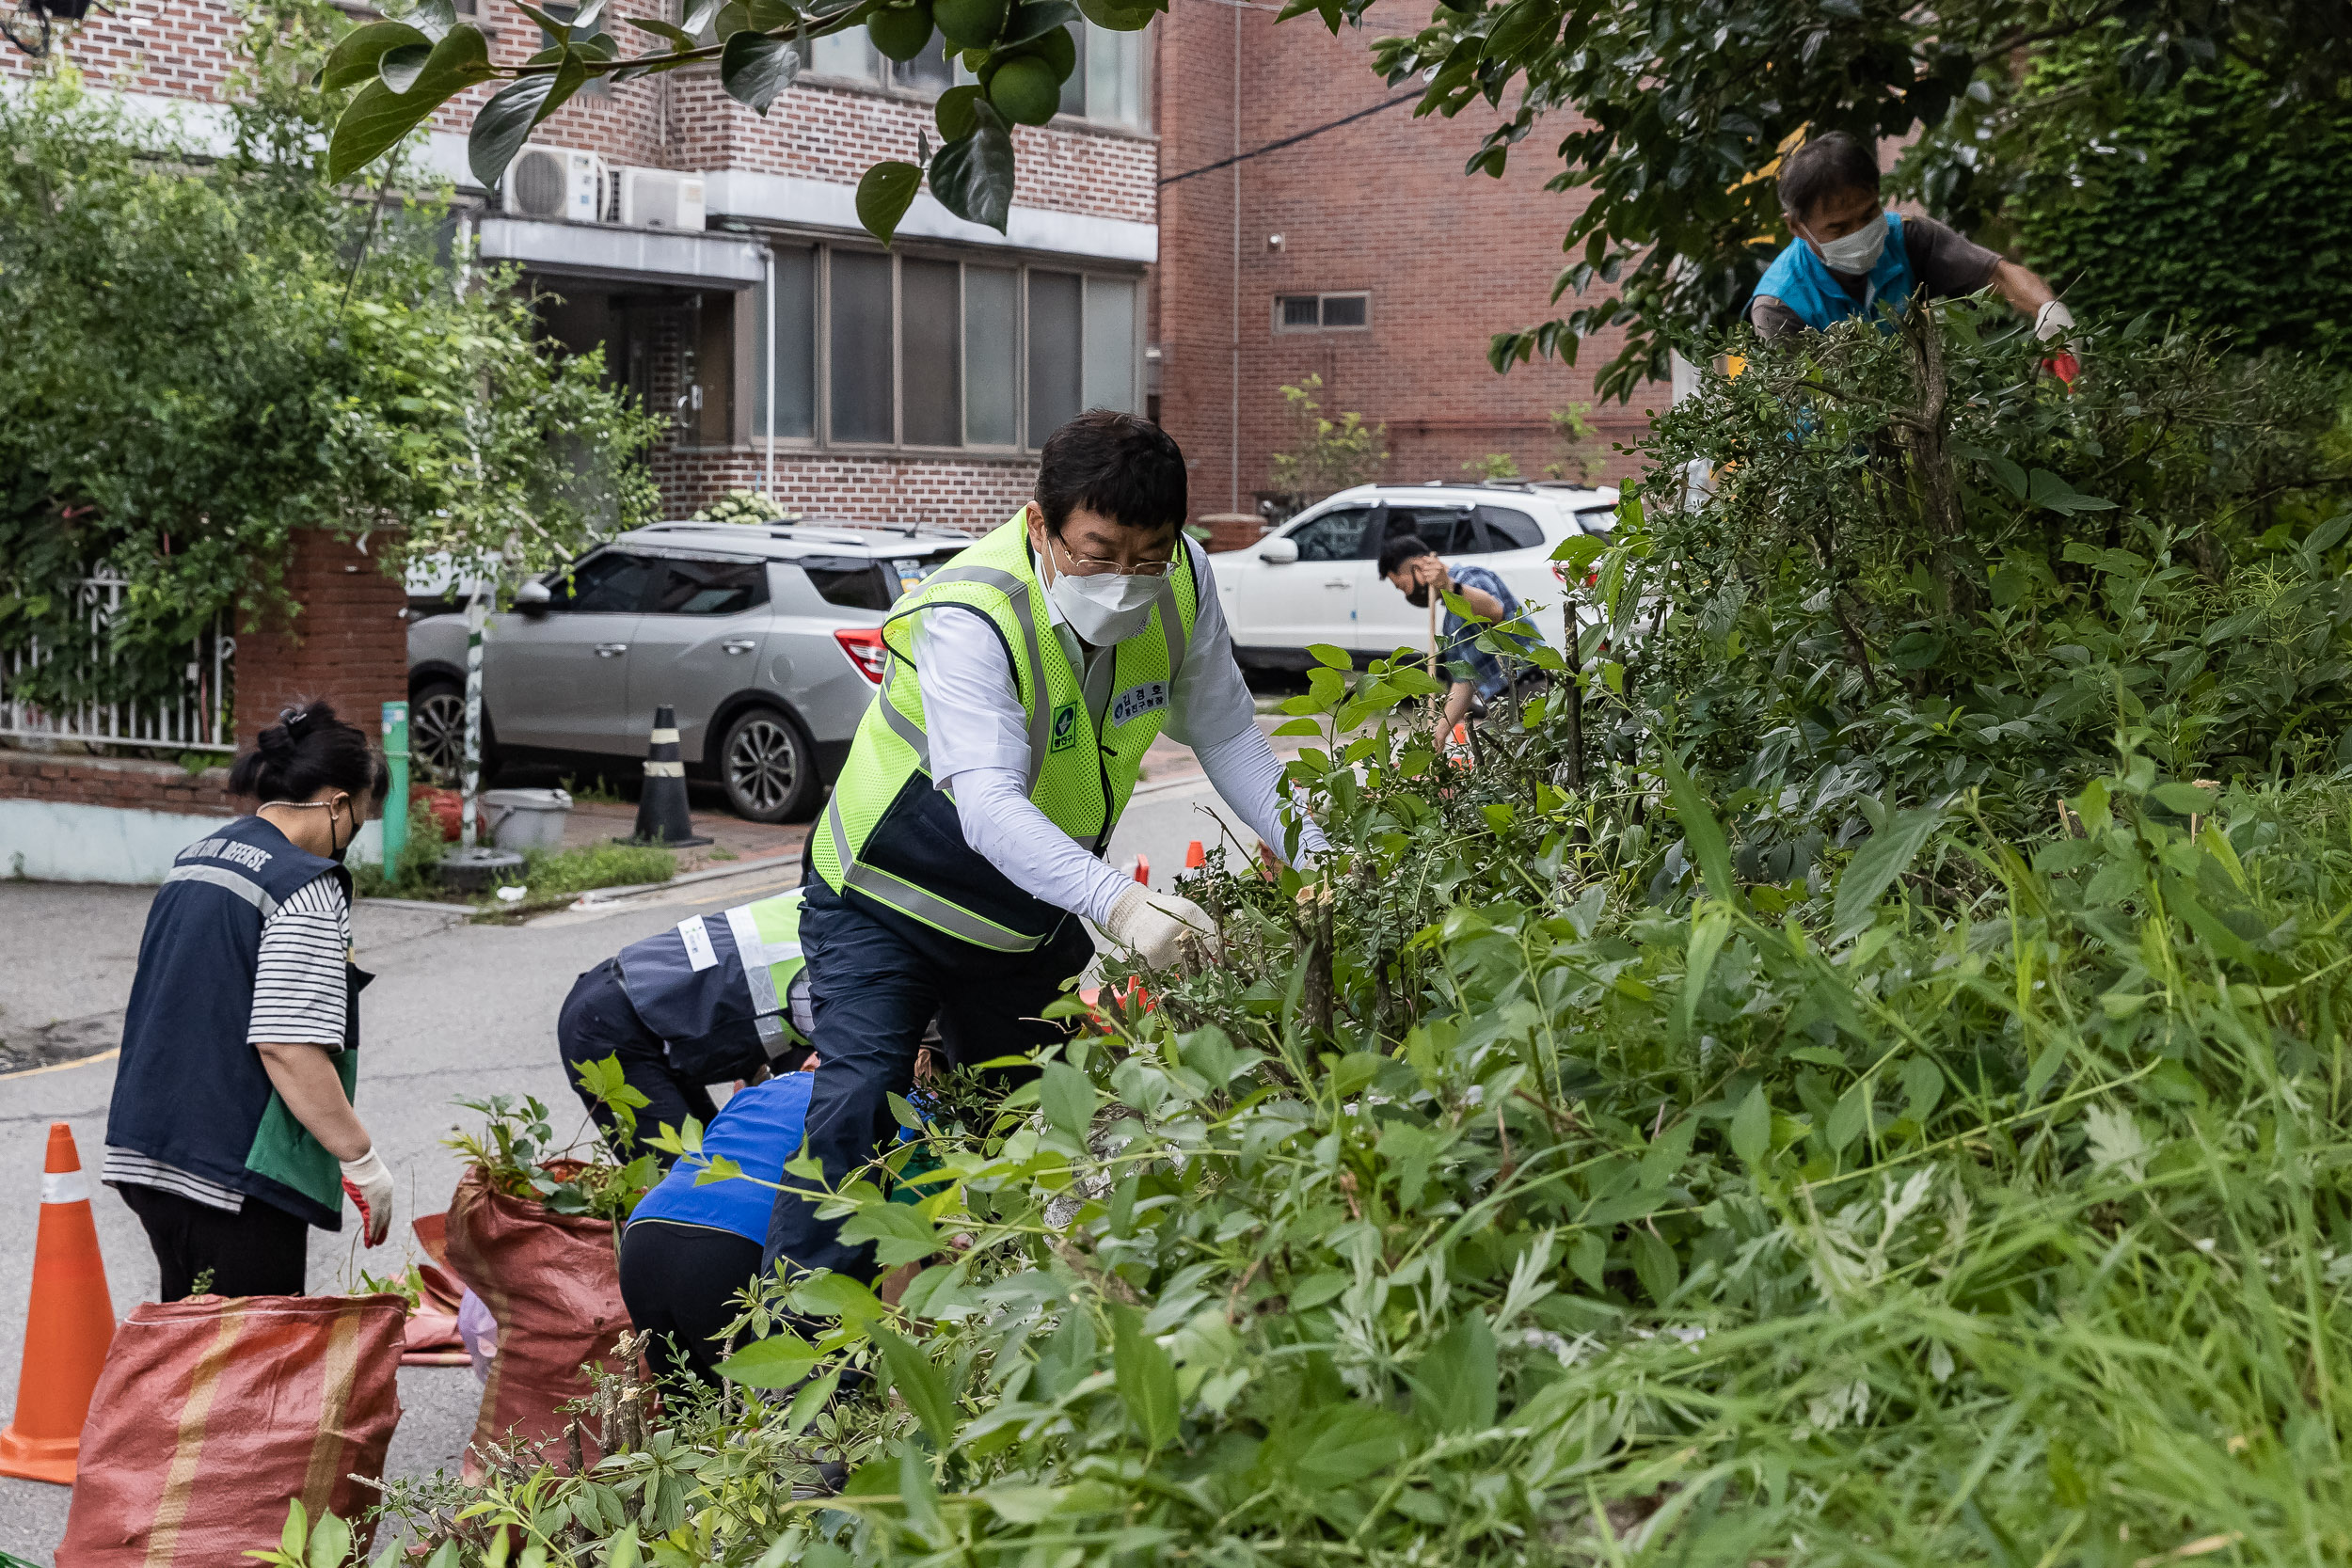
{"x": 1556, "y": 1181}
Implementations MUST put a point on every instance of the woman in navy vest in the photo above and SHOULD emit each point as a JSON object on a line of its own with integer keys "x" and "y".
{"x": 232, "y": 1130}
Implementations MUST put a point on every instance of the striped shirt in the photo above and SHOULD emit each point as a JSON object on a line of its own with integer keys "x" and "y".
{"x": 301, "y": 996}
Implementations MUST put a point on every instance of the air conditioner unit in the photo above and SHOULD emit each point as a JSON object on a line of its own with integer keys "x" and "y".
{"x": 661, "y": 199}
{"x": 555, "y": 182}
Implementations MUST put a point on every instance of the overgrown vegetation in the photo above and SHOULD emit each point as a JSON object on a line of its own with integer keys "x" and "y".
{"x": 516, "y": 1148}
{"x": 2133, "y": 203}
{"x": 1575, "y": 1172}
{"x": 1326, "y": 453}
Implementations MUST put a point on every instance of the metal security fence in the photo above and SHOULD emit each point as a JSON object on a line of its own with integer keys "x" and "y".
{"x": 199, "y": 717}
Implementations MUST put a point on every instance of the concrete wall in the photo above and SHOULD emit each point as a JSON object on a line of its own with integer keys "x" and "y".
{"x": 62, "y": 841}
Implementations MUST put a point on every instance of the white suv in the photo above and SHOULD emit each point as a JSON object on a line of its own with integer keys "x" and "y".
{"x": 1316, "y": 579}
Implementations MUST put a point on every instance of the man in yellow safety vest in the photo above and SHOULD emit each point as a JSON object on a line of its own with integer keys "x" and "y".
{"x": 964, "y": 842}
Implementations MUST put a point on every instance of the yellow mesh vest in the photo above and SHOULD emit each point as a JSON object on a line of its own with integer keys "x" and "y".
{"x": 889, "y": 835}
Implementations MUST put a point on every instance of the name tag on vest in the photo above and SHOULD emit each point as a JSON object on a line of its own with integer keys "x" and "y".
{"x": 1136, "y": 701}
{"x": 697, "y": 939}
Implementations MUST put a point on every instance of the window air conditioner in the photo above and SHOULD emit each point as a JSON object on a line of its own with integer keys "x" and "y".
{"x": 555, "y": 182}
{"x": 661, "y": 199}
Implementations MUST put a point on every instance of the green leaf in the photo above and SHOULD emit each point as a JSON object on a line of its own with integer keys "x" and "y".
{"x": 920, "y": 1385}
{"x": 1578, "y": 551}
{"x": 1700, "y": 831}
{"x": 809, "y": 1401}
{"x": 1883, "y": 856}
{"x": 1146, "y": 1379}
{"x": 953, "y": 112}
{"x": 297, "y": 1530}
{"x": 899, "y": 1233}
{"x": 1456, "y": 1383}
{"x": 378, "y": 117}
{"x": 972, "y": 175}
{"x": 2184, "y": 799}
{"x": 754, "y": 67}
{"x": 1330, "y": 656}
{"x": 884, "y": 193}
{"x": 1316, "y": 1288}
{"x": 373, "y": 126}
{"x": 1067, "y": 1097}
{"x": 1752, "y": 1130}
{"x": 501, "y": 125}
{"x": 778, "y": 1361}
{"x": 1034, "y": 21}
{"x": 1923, "y": 1086}
{"x": 1851, "y": 1117}
{"x": 1707, "y": 932}
{"x": 2047, "y": 490}
{"x": 1340, "y": 1444}
{"x": 838, "y": 1295}
{"x": 1528, "y": 23}
{"x": 1118, "y": 18}
{"x": 354, "y": 60}
{"x": 1655, "y": 1265}
{"x": 330, "y": 1543}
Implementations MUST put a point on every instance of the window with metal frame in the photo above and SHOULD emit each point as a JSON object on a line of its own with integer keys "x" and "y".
{"x": 1109, "y": 84}
{"x": 1336, "y": 312}
{"x": 875, "y": 348}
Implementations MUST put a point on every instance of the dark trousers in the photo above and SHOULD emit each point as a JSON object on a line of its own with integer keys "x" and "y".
{"x": 679, "y": 1283}
{"x": 259, "y": 1252}
{"x": 598, "y": 1020}
{"x": 875, "y": 982}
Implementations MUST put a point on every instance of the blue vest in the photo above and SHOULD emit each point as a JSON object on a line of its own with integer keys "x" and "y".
{"x": 1799, "y": 279}
{"x": 719, "y": 1017}
{"x": 759, "y": 1128}
{"x": 188, "y": 1089}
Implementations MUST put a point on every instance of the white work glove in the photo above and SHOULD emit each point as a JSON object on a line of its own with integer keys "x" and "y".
{"x": 1156, "y": 924}
{"x": 370, "y": 1183}
{"x": 2052, "y": 320}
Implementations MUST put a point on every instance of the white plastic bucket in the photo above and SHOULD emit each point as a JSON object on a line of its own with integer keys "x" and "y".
{"x": 526, "y": 819}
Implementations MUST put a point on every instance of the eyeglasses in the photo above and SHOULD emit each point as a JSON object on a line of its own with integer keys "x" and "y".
{"x": 1095, "y": 565}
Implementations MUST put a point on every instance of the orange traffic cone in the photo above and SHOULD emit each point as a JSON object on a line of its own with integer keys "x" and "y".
{"x": 68, "y": 1329}
{"x": 1142, "y": 869}
{"x": 1195, "y": 857}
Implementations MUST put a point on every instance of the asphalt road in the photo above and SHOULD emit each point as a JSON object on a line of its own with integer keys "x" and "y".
{"x": 456, "y": 1011}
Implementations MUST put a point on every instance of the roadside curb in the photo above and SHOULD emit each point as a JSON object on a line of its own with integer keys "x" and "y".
{"x": 595, "y": 897}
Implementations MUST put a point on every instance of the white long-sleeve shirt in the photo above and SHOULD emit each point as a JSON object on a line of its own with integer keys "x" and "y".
{"x": 979, "y": 745}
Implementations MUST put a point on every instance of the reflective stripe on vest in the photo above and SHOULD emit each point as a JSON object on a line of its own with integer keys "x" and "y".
{"x": 1064, "y": 704}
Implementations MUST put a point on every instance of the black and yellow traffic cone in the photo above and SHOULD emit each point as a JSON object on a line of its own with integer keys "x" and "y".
{"x": 662, "y": 814}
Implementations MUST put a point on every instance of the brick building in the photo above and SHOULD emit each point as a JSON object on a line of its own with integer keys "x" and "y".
{"x": 1361, "y": 254}
{"x": 908, "y": 385}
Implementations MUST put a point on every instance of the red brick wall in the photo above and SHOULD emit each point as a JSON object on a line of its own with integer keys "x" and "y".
{"x": 349, "y": 645}
{"x": 118, "y": 782}
{"x": 1381, "y": 204}
{"x": 970, "y": 494}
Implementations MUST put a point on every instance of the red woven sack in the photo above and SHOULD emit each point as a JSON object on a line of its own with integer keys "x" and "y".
{"x": 554, "y": 1286}
{"x": 212, "y": 1413}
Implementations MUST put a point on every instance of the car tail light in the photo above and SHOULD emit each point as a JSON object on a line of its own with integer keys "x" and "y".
{"x": 866, "y": 650}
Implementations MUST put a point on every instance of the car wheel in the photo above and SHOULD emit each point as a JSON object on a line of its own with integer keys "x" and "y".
{"x": 767, "y": 768}
{"x": 436, "y": 732}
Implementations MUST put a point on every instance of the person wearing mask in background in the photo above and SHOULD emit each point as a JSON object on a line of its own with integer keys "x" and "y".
{"x": 1414, "y": 570}
{"x": 1850, "y": 255}
{"x": 963, "y": 845}
{"x": 715, "y": 999}
{"x": 231, "y": 1130}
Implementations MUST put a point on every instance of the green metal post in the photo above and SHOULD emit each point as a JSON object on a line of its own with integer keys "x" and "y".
{"x": 396, "y": 796}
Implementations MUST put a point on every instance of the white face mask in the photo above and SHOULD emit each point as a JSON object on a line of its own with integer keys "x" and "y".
{"x": 1106, "y": 608}
{"x": 1856, "y": 253}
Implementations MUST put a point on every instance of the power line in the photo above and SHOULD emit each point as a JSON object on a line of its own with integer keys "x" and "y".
{"x": 1291, "y": 141}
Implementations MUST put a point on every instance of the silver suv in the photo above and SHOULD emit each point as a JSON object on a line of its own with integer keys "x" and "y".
{"x": 765, "y": 638}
